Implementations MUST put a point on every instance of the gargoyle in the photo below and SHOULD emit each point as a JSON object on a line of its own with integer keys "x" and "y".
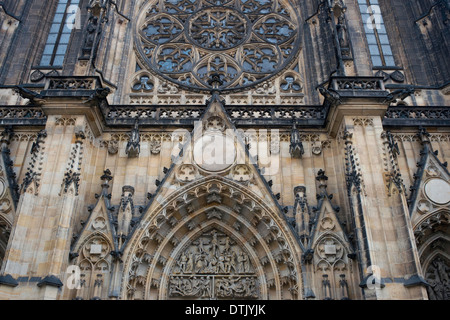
{"x": 33, "y": 97}
{"x": 331, "y": 96}
{"x": 400, "y": 94}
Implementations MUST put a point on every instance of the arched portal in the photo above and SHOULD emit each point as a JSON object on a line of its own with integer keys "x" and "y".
{"x": 433, "y": 242}
{"x": 213, "y": 239}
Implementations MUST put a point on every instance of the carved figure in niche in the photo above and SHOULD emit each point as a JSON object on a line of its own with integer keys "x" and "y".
{"x": 342, "y": 31}
{"x": 155, "y": 147}
{"x": 183, "y": 263}
{"x": 296, "y": 148}
{"x": 190, "y": 263}
{"x": 92, "y": 26}
{"x": 214, "y": 243}
{"x": 89, "y": 42}
{"x": 133, "y": 146}
{"x": 243, "y": 263}
{"x": 206, "y": 287}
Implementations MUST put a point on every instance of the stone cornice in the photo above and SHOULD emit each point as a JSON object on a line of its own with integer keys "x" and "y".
{"x": 355, "y": 96}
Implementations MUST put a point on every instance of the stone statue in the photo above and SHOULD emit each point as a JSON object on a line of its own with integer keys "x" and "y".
{"x": 342, "y": 31}
{"x": 438, "y": 275}
{"x": 89, "y": 41}
{"x": 133, "y": 146}
{"x": 296, "y": 148}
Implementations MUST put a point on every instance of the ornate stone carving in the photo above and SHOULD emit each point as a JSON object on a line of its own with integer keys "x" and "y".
{"x": 241, "y": 173}
{"x": 396, "y": 76}
{"x": 155, "y": 147}
{"x": 417, "y": 113}
{"x": 186, "y": 173}
{"x": 72, "y": 174}
{"x": 33, "y": 175}
{"x": 438, "y": 278}
{"x": 358, "y": 83}
{"x": 364, "y": 122}
{"x": 215, "y": 123}
{"x": 95, "y": 250}
{"x": 330, "y": 250}
{"x": 185, "y": 42}
{"x": 430, "y": 224}
{"x": 68, "y": 83}
{"x": 213, "y": 266}
{"x": 352, "y": 166}
{"x": 133, "y": 147}
{"x": 296, "y": 148}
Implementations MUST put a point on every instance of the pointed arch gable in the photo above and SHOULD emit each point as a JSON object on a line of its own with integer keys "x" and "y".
{"x": 98, "y": 234}
{"x": 98, "y": 223}
{"x": 167, "y": 227}
{"x": 320, "y": 229}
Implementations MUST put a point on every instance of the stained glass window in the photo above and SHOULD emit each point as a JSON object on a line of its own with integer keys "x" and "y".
{"x": 243, "y": 42}
{"x": 377, "y": 38}
{"x": 60, "y": 31}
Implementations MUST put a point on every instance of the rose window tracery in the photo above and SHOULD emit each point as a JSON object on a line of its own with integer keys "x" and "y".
{"x": 244, "y": 42}
{"x": 218, "y": 29}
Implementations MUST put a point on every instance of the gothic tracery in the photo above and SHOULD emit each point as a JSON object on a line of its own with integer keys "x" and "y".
{"x": 245, "y": 42}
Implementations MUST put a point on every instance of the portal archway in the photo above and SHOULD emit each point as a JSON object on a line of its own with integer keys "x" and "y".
{"x": 433, "y": 242}
{"x": 175, "y": 246}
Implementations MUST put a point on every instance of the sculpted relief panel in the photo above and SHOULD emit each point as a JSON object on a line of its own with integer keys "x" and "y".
{"x": 213, "y": 266}
{"x": 438, "y": 276}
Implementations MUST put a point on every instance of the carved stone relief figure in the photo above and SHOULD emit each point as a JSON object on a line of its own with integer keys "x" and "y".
{"x": 133, "y": 146}
{"x": 89, "y": 41}
{"x": 438, "y": 277}
{"x": 213, "y": 266}
{"x": 342, "y": 31}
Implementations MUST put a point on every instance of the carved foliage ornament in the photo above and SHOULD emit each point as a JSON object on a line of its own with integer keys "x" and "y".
{"x": 244, "y": 42}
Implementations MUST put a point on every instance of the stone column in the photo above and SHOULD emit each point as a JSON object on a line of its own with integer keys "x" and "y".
{"x": 380, "y": 221}
{"x": 41, "y": 237}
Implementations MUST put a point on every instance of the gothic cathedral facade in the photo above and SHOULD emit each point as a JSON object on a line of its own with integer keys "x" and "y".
{"x": 225, "y": 149}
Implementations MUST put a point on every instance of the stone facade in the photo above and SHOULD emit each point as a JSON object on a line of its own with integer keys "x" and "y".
{"x": 224, "y": 150}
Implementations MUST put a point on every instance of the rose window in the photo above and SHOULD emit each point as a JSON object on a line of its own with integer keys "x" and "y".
{"x": 243, "y": 42}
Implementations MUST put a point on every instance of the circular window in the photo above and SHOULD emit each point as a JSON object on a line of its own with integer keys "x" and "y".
{"x": 244, "y": 42}
{"x": 217, "y": 28}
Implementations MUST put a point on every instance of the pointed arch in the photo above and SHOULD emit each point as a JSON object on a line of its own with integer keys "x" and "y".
{"x": 195, "y": 209}
{"x": 432, "y": 234}
{"x": 95, "y": 262}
